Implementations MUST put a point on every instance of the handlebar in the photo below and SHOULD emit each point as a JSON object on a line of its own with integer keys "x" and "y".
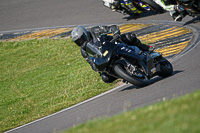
{"x": 115, "y": 39}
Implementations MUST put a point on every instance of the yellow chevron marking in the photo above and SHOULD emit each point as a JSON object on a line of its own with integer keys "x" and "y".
{"x": 121, "y": 27}
{"x": 164, "y": 34}
{"x": 159, "y": 32}
{"x": 155, "y": 34}
{"x": 173, "y": 49}
{"x": 55, "y": 32}
{"x": 32, "y": 35}
{"x": 162, "y": 37}
{"x": 132, "y": 27}
{"x": 172, "y": 32}
{"x": 42, "y": 33}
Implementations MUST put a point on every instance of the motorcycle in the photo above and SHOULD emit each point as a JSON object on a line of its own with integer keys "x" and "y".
{"x": 192, "y": 7}
{"x": 141, "y": 5}
{"x": 130, "y": 64}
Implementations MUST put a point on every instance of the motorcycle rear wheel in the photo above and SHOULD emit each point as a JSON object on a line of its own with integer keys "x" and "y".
{"x": 122, "y": 73}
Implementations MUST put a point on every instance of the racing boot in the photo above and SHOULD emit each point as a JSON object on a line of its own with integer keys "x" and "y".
{"x": 178, "y": 16}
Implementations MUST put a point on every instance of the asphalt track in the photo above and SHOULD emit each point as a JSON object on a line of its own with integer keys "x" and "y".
{"x": 23, "y": 14}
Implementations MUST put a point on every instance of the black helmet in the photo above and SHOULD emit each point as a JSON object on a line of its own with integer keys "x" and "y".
{"x": 80, "y": 35}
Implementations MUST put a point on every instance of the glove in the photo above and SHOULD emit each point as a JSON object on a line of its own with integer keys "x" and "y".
{"x": 116, "y": 36}
{"x": 151, "y": 48}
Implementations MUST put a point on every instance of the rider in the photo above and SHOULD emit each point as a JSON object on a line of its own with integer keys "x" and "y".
{"x": 91, "y": 39}
{"x": 117, "y": 5}
{"x": 175, "y": 10}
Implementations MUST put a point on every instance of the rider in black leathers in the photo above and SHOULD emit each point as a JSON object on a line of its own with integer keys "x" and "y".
{"x": 94, "y": 37}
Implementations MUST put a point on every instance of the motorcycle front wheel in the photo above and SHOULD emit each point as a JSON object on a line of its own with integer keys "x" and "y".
{"x": 122, "y": 72}
{"x": 166, "y": 68}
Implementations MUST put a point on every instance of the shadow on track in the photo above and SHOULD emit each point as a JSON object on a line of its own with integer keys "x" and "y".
{"x": 193, "y": 21}
{"x": 141, "y": 15}
{"x": 152, "y": 81}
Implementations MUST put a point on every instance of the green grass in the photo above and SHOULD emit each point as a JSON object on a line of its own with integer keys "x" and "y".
{"x": 40, "y": 77}
{"x": 181, "y": 115}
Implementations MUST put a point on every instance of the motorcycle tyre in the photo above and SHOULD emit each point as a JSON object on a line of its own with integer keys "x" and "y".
{"x": 122, "y": 73}
{"x": 166, "y": 69}
{"x": 153, "y": 5}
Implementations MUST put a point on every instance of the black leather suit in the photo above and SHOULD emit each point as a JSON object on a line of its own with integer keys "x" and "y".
{"x": 98, "y": 36}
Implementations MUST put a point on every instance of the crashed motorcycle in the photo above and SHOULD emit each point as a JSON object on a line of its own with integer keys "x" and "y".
{"x": 192, "y": 7}
{"x": 130, "y": 63}
{"x": 141, "y": 5}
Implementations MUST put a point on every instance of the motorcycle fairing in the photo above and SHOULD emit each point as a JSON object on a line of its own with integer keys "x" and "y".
{"x": 93, "y": 50}
{"x": 151, "y": 67}
{"x": 154, "y": 55}
{"x": 129, "y": 52}
{"x": 121, "y": 49}
{"x": 106, "y": 54}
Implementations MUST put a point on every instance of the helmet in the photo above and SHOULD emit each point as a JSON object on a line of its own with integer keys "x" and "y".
{"x": 80, "y": 35}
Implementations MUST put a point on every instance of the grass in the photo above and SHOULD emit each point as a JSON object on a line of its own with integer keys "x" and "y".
{"x": 40, "y": 77}
{"x": 181, "y": 115}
